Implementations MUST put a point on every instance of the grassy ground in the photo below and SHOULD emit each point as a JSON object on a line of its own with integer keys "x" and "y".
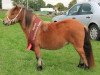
{"x": 16, "y": 60}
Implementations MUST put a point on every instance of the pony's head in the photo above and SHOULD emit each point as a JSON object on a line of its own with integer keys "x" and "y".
{"x": 13, "y": 15}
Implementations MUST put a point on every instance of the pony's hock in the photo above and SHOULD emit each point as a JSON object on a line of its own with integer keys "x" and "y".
{"x": 53, "y": 35}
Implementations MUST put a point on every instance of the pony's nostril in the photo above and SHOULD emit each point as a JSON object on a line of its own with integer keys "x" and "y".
{"x": 4, "y": 22}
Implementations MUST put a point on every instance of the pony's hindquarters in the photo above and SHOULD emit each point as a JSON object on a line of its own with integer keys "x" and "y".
{"x": 88, "y": 49}
{"x": 79, "y": 37}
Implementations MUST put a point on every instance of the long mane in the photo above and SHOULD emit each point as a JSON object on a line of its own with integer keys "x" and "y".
{"x": 28, "y": 17}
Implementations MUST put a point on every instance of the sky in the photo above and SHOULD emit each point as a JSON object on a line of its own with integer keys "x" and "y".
{"x": 6, "y": 4}
{"x": 54, "y": 2}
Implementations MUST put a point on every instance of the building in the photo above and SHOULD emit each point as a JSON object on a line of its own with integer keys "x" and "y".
{"x": 7, "y": 4}
{"x": 47, "y": 9}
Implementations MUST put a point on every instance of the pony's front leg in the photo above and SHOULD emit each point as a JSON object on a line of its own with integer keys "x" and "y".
{"x": 38, "y": 57}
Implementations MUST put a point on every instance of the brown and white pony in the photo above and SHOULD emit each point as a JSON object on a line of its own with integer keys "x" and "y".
{"x": 53, "y": 35}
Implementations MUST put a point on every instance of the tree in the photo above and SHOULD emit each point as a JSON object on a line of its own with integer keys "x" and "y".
{"x": 40, "y": 4}
{"x": 60, "y": 6}
{"x": 72, "y": 3}
{"x": 0, "y": 4}
{"x": 37, "y": 4}
{"x": 24, "y": 2}
{"x": 49, "y": 6}
{"x": 34, "y": 4}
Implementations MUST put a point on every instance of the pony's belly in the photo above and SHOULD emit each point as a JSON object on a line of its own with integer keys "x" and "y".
{"x": 54, "y": 46}
{"x": 53, "y": 40}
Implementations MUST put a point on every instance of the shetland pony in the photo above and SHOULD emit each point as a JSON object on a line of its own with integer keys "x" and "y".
{"x": 52, "y": 35}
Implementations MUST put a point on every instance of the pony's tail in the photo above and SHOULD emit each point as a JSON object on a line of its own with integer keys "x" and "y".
{"x": 88, "y": 49}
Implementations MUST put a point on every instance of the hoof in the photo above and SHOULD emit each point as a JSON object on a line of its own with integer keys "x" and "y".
{"x": 81, "y": 65}
{"x": 39, "y": 64}
{"x": 86, "y": 67}
{"x": 39, "y": 68}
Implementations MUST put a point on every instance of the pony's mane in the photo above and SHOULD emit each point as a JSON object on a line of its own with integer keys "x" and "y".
{"x": 28, "y": 17}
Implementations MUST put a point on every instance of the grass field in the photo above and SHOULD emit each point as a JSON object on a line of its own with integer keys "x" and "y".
{"x": 16, "y": 60}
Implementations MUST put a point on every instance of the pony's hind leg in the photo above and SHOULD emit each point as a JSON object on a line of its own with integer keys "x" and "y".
{"x": 38, "y": 57}
{"x": 81, "y": 63}
{"x": 83, "y": 60}
{"x": 85, "y": 47}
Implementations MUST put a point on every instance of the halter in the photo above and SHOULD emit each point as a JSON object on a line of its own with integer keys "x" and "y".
{"x": 15, "y": 18}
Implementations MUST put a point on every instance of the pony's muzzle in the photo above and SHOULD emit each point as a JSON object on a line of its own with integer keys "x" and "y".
{"x": 5, "y": 22}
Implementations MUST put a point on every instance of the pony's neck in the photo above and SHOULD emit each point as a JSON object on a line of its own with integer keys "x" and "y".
{"x": 25, "y": 30}
{"x": 27, "y": 27}
{"x": 24, "y": 26}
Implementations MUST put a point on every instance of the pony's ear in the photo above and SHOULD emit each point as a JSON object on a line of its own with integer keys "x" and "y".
{"x": 16, "y": 6}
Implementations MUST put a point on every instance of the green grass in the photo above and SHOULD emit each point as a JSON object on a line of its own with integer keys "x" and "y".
{"x": 46, "y": 18}
{"x": 16, "y": 60}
